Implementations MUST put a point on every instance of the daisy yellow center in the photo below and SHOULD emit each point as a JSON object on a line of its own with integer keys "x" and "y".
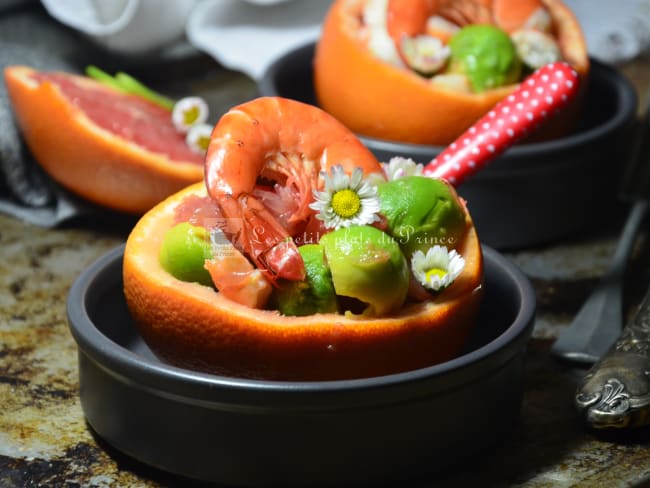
{"x": 440, "y": 273}
{"x": 346, "y": 203}
{"x": 190, "y": 115}
{"x": 203, "y": 142}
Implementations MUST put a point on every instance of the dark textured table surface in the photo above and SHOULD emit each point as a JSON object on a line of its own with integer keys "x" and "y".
{"x": 45, "y": 441}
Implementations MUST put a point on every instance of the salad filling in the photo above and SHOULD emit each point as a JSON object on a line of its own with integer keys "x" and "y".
{"x": 464, "y": 48}
{"x": 383, "y": 241}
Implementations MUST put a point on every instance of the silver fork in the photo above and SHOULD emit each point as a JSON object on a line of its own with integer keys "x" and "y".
{"x": 599, "y": 322}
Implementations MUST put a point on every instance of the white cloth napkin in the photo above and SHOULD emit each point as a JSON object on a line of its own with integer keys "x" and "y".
{"x": 249, "y": 35}
{"x": 615, "y": 30}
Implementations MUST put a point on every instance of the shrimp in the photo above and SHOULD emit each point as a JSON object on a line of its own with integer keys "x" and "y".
{"x": 408, "y": 21}
{"x": 262, "y": 165}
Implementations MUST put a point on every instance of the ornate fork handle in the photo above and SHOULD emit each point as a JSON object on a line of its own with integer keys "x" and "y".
{"x": 615, "y": 393}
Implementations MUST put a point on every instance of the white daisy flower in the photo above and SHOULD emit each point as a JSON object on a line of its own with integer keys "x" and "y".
{"x": 346, "y": 200}
{"x": 189, "y": 111}
{"x": 438, "y": 268}
{"x": 198, "y": 138}
{"x": 398, "y": 167}
{"x": 425, "y": 54}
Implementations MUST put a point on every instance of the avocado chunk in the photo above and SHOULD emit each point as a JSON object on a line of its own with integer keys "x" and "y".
{"x": 183, "y": 252}
{"x": 486, "y": 55}
{"x": 422, "y": 212}
{"x": 367, "y": 265}
{"x": 313, "y": 295}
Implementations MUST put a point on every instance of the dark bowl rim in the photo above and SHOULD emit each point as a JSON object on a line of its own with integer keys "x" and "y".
{"x": 177, "y": 381}
{"x": 626, "y": 109}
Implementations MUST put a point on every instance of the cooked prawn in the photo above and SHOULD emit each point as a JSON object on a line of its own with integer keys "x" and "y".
{"x": 411, "y": 19}
{"x": 262, "y": 166}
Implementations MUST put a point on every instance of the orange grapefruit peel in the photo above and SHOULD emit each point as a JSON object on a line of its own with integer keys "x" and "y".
{"x": 196, "y": 327}
{"x": 377, "y": 99}
{"x": 86, "y": 159}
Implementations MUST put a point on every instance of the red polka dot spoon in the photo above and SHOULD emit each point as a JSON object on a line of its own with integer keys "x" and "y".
{"x": 539, "y": 97}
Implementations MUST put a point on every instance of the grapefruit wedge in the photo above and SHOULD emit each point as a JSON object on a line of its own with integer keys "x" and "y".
{"x": 116, "y": 150}
{"x": 377, "y": 99}
{"x": 194, "y": 326}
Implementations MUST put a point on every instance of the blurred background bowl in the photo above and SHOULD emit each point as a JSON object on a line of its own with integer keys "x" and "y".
{"x": 533, "y": 193}
{"x": 246, "y": 432}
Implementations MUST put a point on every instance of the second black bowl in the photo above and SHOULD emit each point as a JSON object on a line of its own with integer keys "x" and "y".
{"x": 533, "y": 193}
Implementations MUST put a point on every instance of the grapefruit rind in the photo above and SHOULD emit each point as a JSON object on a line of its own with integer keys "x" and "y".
{"x": 375, "y": 99}
{"x": 194, "y": 327}
{"x": 86, "y": 159}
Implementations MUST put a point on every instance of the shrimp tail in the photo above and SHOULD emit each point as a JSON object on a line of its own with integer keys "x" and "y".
{"x": 256, "y": 232}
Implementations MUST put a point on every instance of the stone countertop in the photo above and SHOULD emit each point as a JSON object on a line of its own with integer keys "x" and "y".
{"x": 45, "y": 441}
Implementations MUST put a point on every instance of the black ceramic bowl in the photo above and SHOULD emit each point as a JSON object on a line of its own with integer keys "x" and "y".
{"x": 268, "y": 433}
{"x": 533, "y": 193}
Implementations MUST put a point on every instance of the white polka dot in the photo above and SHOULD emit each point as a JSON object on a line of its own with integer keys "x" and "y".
{"x": 520, "y": 106}
{"x": 544, "y": 78}
{"x": 495, "y": 135}
{"x": 531, "y": 82}
{"x": 500, "y": 122}
{"x": 486, "y": 126}
{"x": 490, "y": 148}
{"x": 456, "y": 166}
{"x": 529, "y": 116}
{"x": 472, "y": 163}
{"x": 452, "y": 179}
{"x": 505, "y": 110}
{"x": 569, "y": 83}
{"x": 466, "y": 141}
{"x": 492, "y": 114}
{"x": 453, "y": 145}
{"x": 475, "y": 150}
{"x": 472, "y": 130}
{"x": 510, "y": 132}
{"x": 447, "y": 157}
{"x": 549, "y": 99}
{"x": 539, "y": 90}
{"x": 559, "y": 74}
{"x": 554, "y": 86}
{"x": 511, "y": 98}
{"x": 514, "y": 118}
{"x": 564, "y": 97}
{"x": 525, "y": 94}
{"x": 480, "y": 138}
{"x": 534, "y": 103}
{"x": 574, "y": 73}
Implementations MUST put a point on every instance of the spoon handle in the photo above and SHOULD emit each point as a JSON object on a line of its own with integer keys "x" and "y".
{"x": 615, "y": 393}
{"x": 538, "y": 97}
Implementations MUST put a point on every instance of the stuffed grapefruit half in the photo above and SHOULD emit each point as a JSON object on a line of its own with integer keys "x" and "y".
{"x": 301, "y": 258}
{"x": 423, "y": 71}
{"x": 194, "y": 326}
{"x": 115, "y": 149}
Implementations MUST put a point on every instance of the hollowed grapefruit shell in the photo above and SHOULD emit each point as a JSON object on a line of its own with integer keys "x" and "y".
{"x": 193, "y": 326}
{"x": 85, "y": 158}
{"x": 376, "y": 99}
